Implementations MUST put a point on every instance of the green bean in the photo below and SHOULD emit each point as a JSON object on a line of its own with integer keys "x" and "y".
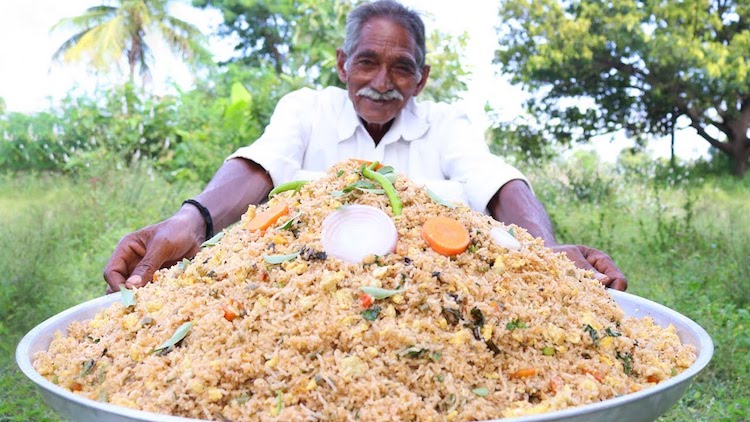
{"x": 390, "y": 191}
{"x": 295, "y": 186}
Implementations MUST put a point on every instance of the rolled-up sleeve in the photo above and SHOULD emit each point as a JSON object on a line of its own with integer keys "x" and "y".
{"x": 281, "y": 148}
{"x": 465, "y": 157}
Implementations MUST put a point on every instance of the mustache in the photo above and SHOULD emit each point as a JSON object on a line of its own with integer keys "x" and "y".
{"x": 376, "y": 95}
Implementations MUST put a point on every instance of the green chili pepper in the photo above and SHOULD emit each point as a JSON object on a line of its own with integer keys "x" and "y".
{"x": 390, "y": 191}
{"x": 295, "y": 186}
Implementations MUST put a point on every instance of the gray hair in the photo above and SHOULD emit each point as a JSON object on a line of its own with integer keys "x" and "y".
{"x": 393, "y": 11}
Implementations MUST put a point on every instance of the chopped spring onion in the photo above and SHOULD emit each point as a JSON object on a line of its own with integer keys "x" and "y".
{"x": 371, "y": 314}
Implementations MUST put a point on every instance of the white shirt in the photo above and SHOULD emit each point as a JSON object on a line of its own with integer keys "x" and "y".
{"x": 434, "y": 144}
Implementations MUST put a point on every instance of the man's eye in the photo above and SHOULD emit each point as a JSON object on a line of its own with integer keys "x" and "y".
{"x": 365, "y": 62}
{"x": 404, "y": 69}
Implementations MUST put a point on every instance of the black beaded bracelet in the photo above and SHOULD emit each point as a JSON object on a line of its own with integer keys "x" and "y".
{"x": 206, "y": 216}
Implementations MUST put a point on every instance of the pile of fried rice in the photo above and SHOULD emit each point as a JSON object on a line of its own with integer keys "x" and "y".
{"x": 278, "y": 329}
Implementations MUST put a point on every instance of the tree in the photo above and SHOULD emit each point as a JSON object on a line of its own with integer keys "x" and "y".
{"x": 290, "y": 36}
{"x": 108, "y": 33}
{"x": 640, "y": 65}
{"x": 300, "y": 38}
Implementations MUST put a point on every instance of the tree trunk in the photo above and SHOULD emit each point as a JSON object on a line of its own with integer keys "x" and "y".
{"x": 740, "y": 153}
{"x": 740, "y": 163}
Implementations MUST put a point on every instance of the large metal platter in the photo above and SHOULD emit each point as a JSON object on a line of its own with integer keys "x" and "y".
{"x": 645, "y": 405}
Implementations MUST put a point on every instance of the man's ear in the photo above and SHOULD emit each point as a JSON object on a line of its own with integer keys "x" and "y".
{"x": 423, "y": 81}
{"x": 340, "y": 64}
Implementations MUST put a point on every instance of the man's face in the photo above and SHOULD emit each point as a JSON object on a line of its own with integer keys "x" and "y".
{"x": 384, "y": 62}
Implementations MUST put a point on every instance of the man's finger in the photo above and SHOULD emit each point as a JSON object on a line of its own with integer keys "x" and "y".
{"x": 604, "y": 264}
{"x": 114, "y": 274}
{"x": 619, "y": 284}
{"x": 144, "y": 271}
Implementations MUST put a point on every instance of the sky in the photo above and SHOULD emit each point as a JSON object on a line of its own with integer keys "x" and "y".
{"x": 30, "y": 82}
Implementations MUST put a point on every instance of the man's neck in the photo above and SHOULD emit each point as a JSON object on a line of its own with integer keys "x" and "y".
{"x": 377, "y": 131}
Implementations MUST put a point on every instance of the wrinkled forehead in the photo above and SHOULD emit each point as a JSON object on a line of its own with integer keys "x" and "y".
{"x": 383, "y": 36}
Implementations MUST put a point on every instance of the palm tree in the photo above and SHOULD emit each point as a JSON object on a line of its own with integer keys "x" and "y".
{"x": 107, "y": 33}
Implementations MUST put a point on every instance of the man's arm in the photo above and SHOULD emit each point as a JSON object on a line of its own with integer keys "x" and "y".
{"x": 515, "y": 203}
{"x": 237, "y": 184}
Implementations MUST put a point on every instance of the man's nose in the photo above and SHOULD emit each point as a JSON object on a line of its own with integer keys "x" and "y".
{"x": 382, "y": 80}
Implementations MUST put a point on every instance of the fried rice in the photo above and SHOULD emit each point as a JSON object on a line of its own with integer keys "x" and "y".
{"x": 278, "y": 331}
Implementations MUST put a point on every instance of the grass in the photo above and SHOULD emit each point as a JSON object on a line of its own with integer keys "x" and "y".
{"x": 682, "y": 241}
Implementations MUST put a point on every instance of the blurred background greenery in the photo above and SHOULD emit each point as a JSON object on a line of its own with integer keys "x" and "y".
{"x": 78, "y": 176}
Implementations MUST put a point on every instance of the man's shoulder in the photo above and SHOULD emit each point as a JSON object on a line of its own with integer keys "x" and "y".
{"x": 328, "y": 94}
{"x": 438, "y": 111}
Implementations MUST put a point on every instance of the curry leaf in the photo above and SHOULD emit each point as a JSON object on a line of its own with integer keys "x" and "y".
{"x": 481, "y": 391}
{"x": 378, "y": 293}
{"x": 176, "y": 337}
{"x": 214, "y": 240}
{"x": 413, "y": 352}
{"x": 292, "y": 221}
{"x": 592, "y": 333}
{"x": 278, "y": 259}
{"x": 389, "y": 173}
{"x": 87, "y": 367}
{"x": 374, "y": 191}
{"x": 438, "y": 200}
{"x": 127, "y": 297}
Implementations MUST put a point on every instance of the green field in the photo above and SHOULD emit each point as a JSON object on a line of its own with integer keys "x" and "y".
{"x": 683, "y": 241}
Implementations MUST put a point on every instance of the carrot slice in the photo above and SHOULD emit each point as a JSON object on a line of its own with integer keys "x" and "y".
{"x": 523, "y": 373}
{"x": 445, "y": 235}
{"x": 593, "y": 373}
{"x": 265, "y": 219}
{"x": 357, "y": 160}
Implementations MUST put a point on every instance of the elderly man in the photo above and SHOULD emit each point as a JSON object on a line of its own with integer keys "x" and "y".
{"x": 383, "y": 65}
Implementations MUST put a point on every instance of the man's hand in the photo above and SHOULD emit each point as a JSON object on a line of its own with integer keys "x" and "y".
{"x": 141, "y": 253}
{"x": 235, "y": 185}
{"x": 598, "y": 262}
{"x": 515, "y": 203}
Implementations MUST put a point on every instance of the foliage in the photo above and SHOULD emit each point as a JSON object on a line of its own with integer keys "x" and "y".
{"x": 518, "y": 139}
{"x": 120, "y": 127}
{"x": 187, "y": 135}
{"x": 108, "y": 33}
{"x": 598, "y": 67}
{"x": 294, "y": 37}
{"x": 300, "y": 37}
{"x": 447, "y": 75}
{"x": 220, "y": 116}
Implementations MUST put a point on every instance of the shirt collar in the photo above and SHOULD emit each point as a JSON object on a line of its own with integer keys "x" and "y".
{"x": 410, "y": 123}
